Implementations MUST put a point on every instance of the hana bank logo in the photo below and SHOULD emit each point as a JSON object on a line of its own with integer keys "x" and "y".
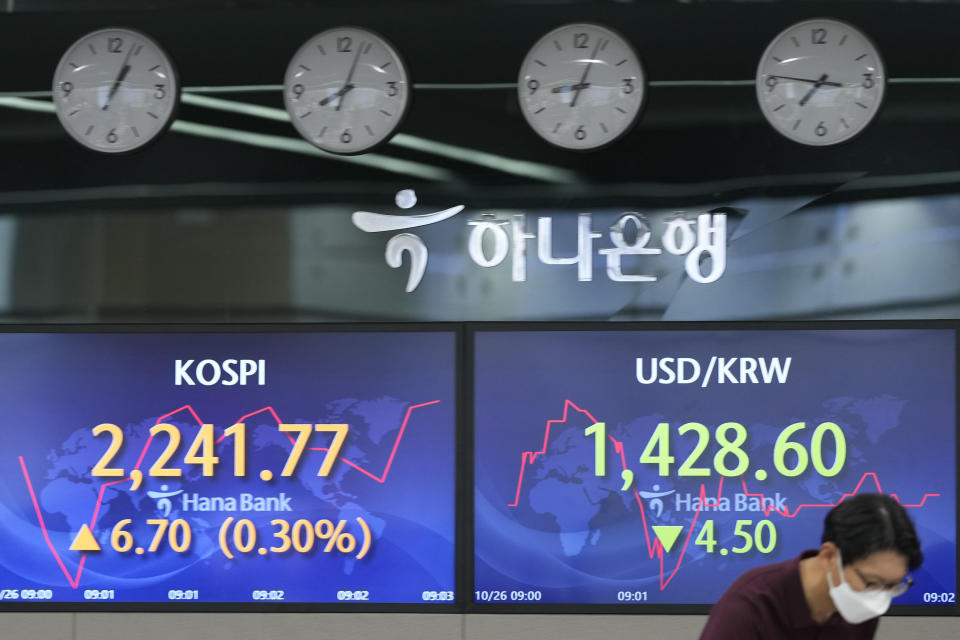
{"x": 698, "y": 239}
{"x": 164, "y": 504}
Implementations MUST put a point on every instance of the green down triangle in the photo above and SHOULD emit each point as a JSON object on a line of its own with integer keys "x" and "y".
{"x": 667, "y": 534}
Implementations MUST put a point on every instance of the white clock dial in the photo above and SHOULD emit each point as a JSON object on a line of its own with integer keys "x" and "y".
{"x": 581, "y": 86}
{"x": 820, "y": 82}
{"x": 346, "y": 90}
{"x": 115, "y": 90}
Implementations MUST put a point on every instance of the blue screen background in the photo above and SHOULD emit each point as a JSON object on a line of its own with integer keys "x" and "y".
{"x": 577, "y": 538}
{"x": 54, "y": 388}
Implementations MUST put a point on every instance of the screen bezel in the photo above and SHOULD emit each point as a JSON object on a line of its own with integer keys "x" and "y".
{"x": 456, "y": 606}
{"x": 474, "y": 328}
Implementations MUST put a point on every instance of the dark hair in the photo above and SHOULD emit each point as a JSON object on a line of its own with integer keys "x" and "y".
{"x": 871, "y": 522}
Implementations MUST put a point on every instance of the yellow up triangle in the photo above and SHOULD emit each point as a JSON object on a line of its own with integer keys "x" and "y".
{"x": 667, "y": 534}
{"x": 86, "y": 542}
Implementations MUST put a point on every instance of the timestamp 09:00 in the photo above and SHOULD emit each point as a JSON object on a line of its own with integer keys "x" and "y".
{"x": 502, "y": 595}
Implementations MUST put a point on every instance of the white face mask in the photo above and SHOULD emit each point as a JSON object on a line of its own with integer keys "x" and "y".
{"x": 857, "y": 606}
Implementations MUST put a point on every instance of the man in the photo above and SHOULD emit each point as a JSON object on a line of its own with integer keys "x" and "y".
{"x": 868, "y": 546}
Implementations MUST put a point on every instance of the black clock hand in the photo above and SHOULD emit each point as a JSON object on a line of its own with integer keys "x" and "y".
{"x": 583, "y": 79}
{"x": 806, "y": 98}
{"x": 333, "y": 95}
{"x": 124, "y": 70}
{"x": 346, "y": 85}
{"x": 570, "y": 87}
{"x": 810, "y": 80}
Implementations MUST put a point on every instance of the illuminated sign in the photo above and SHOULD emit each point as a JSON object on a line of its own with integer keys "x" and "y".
{"x": 702, "y": 240}
{"x": 330, "y": 480}
{"x": 656, "y": 466}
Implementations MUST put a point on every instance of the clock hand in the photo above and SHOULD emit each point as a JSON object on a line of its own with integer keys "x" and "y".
{"x": 813, "y": 89}
{"x": 353, "y": 67}
{"x": 338, "y": 93}
{"x": 570, "y": 87}
{"x": 579, "y": 86}
{"x": 124, "y": 70}
{"x": 810, "y": 80}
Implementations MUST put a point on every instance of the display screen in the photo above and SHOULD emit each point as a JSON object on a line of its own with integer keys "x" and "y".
{"x": 654, "y": 467}
{"x": 228, "y": 467}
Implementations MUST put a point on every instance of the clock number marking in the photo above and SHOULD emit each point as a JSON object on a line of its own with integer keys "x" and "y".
{"x": 386, "y": 113}
{"x": 797, "y": 124}
{"x": 542, "y": 64}
{"x": 343, "y": 44}
{"x": 557, "y": 128}
{"x": 780, "y": 107}
{"x": 136, "y": 51}
{"x": 795, "y": 41}
{"x": 604, "y": 44}
{"x": 818, "y": 36}
{"x": 842, "y": 40}
{"x": 369, "y": 130}
{"x": 862, "y": 106}
{"x": 154, "y": 67}
{"x": 620, "y": 110}
{"x": 604, "y": 127}
{"x": 73, "y": 113}
{"x": 161, "y": 91}
{"x": 620, "y": 63}
{"x": 540, "y": 110}
{"x": 580, "y": 40}
{"x": 66, "y": 87}
{"x": 844, "y": 123}
{"x": 115, "y": 45}
{"x": 820, "y": 130}
{"x": 367, "y": 48}
{"x": 135, "y": 132}
{"x": 297, "y": 91}
{"x": 392, "y": 88}
{"x": 112, "y": 136}
{"x": 384, "y": 65}
{"x": 868, "y": 81}
{"x": 556, "y": 43}
{"x": 89, "y": 130}
{"x": 860, "y": 57}
{"x": 323, "y": 51}
{"x": 628, "y": 86}
{"x": 345, "y": 137}
{"x": 533, "y": 85}
{"x": 580, "y": 133}
{"x": 92, "y": 50}
{"x": 153, "y": 115}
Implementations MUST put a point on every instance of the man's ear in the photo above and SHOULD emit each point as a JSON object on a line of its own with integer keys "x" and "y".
{"x": 828, "y": 557}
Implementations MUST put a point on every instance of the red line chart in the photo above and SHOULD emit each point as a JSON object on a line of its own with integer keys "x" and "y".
{"x": 655, "y": 548}
{"x": 75, "y": 580}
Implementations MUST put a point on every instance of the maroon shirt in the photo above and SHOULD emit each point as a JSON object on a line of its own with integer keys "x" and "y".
{"x": 767, "y": 603}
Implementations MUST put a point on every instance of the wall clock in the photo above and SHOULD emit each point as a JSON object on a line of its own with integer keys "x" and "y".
{"x": 346, "y": 90}
{"x": 820, "y": 82}
{"x": 115, "y": 90}
{"x": 581, "y": 86}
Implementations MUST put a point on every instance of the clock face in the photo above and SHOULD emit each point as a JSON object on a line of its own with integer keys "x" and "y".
{"x": 820, "y": 82}
{"x": 115, "y": 90}
{"x": 346, "y": 90}
{"x": 581, "y": 86}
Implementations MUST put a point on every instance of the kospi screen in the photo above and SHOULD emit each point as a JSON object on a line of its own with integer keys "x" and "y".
{"x": 227, "y": 467}
{"x": 653, "y": 467}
